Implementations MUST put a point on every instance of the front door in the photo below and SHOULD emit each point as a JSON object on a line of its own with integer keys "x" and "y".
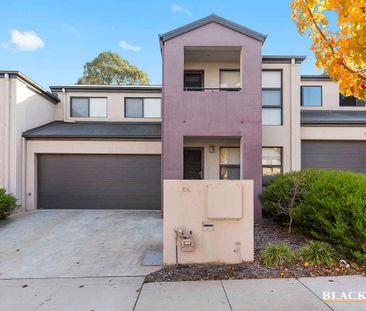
{"x": 193, "y": 164}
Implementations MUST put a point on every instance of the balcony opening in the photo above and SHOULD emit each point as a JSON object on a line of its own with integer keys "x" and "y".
{"x": 212, "y": 69}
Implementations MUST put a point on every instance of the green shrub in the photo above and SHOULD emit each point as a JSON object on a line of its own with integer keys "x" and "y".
{"x": 330, "y": 207}
{"x": 317, "y": 252}
{"x": 277, "y": 255}
{"x": 283, "y": 193}
{"x": 8, "y": 203}
{"x": 333, "y": 210}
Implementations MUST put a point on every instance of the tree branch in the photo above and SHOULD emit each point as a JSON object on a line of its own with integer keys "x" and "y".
{"x": 320, "y": 31}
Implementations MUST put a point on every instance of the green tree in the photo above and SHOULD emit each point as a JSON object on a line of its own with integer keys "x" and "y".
{"x": 110, "y": 68}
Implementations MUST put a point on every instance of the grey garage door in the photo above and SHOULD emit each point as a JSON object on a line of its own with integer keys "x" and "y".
{"x": 98, "y": 181}
{"x": 345, "y": 155}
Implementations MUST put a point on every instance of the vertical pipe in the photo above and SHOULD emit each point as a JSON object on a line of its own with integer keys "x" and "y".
{"x": 64, "y": 104}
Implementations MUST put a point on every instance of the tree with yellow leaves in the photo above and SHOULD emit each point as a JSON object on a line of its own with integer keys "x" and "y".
{"x": 340, "y": 52}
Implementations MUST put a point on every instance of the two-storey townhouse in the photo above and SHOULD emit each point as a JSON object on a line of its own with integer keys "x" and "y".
{"x": 224, "y": 111}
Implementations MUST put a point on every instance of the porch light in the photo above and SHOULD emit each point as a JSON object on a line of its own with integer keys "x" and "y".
{"x": 211, "y": 148}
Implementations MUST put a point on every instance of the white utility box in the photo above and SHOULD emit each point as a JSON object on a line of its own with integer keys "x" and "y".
{"x": 224, "y": 200}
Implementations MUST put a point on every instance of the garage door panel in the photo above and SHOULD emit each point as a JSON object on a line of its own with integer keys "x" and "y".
{"x": 87, "y": 202}
{"x": 90, "y": 161}
{"x": 344, "y": 155}
{"x": 99, "y": 181}
{"x": 106, "y": 188}
{"x": 99, "y": 174}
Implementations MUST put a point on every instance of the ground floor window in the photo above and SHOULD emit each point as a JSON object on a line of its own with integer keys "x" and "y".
{"x": 271, "y": 162}
{"x": 230, "y": 163}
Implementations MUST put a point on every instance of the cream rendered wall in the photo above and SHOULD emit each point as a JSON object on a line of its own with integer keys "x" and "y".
{"x": 287, "y": 135}
{"x": 186, "y": 207}
{"x": 8, "y": 155}
{"x": 115, "y": 105}
{"x": 29, "y": 110}
{"x": 21, "y": 108}
{"x": 3, "y": 97}
{"x": 35, "y": 147}
{"x": 330, "y": 93}
{"x": 211, "y": 71}
{"x": 333, "y": 133}
{"x": 211, "y": 161}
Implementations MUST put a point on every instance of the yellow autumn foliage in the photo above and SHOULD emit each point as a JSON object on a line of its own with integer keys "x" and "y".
{"x": 340, "y": 49}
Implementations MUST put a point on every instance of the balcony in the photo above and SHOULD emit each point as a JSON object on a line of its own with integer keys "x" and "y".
{"x": 212, "y": 69}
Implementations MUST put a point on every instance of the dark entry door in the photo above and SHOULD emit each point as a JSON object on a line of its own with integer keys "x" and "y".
{"x": 91, "y": 181}
{"x": 193, "y": 164}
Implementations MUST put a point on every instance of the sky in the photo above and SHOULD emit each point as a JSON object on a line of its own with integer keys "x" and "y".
{"x": 50, "y": 41}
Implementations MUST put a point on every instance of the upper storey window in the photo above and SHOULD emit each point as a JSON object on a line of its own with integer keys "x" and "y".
{"x": 229, "y": 79}
{"x": 193, "y": 80}
{"x": 88, "y": 107}
{"x": 272, "y": 97}
{"x": 351, "y": 101}
{"x": 311, "y": 96}
{"x": 142, "y": 107}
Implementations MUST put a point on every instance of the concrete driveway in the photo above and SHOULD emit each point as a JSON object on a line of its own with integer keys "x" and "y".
{"x": 78, "y": 243}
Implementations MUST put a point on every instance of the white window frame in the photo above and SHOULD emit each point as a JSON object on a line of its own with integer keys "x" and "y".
{"x": 89, "y": 98}
{"x": 279, "y": 89}
{"x": 143, "y": 107}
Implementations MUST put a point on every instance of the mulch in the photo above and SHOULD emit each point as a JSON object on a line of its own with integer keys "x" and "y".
{"x": 265, "y": 232}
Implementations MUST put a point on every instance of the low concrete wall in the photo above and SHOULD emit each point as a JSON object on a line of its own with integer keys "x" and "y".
{"x": 187, "y": 206}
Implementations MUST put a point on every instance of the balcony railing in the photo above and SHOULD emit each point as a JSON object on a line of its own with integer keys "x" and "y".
{"x": 212, "y": 89}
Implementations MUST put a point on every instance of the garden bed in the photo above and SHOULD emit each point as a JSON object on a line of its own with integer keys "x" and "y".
{"x": 265, "y": 232}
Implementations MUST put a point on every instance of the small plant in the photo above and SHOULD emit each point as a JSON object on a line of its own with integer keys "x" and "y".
{"x": 316, "y": 252}
{"x": 277, "y": 255}
{"x": 8, "y": 203}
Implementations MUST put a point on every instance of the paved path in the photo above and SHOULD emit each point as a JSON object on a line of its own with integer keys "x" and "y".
{"x": 269, "y": 294}
{"x": 129, "y": 293}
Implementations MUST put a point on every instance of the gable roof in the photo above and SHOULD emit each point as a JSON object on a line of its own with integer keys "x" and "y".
{"x": 212, "y": 19}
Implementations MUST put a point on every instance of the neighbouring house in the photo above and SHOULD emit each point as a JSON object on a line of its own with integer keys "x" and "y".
{"x": 224, "y": 111}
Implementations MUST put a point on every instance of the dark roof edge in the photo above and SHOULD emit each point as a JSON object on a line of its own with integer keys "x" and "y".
{"x": 332, "y": 117}
{"x": 35, "y": 129}
{"x": 24, "y": 78}
{"x": 282, "y": 59}
{"x": 94, "y": 136}
{"x": 316, "y": 78}
{"x": 333, "y": 124}
{"x": 32, "y": 133}
{"x": 213, "y": 18}
{"x": 137, "y": 88}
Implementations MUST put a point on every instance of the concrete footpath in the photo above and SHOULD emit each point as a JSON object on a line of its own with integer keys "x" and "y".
{"x": 129, "y": 293}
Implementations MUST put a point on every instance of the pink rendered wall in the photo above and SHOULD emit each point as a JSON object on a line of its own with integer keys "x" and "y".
{"x": 213, "y": 114}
